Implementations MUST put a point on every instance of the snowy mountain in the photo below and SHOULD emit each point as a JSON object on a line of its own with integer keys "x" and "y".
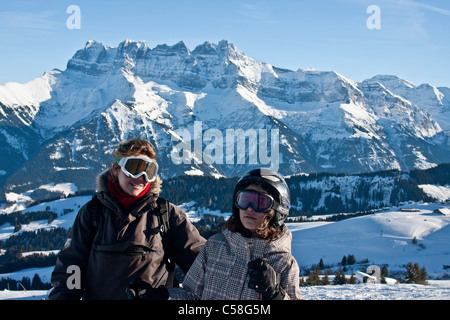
{"x": 196, "y": 106}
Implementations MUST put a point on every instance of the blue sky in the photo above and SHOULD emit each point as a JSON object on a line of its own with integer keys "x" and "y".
{"x": 413, "y": 41}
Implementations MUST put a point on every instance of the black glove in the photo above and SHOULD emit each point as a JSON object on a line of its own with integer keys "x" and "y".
{"x": 144, "y": 291}
{"x": 264, "y": 280}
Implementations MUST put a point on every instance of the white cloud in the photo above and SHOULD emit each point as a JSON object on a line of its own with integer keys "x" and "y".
{"x": 257, "y": 12}
{"x": 416, "y": 4}
{"x": 28, "y": 21}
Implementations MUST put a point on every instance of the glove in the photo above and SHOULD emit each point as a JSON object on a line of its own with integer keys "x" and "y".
{"x": 264, "y": 280}
{"x": 144, "y": 291}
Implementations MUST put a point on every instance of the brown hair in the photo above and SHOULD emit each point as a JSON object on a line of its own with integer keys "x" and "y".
{"x": 266, "y": 231}
{"x": 134, "y": 147}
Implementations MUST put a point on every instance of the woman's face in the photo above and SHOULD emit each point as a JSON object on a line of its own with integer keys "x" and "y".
{"x": 131, "y": 186}
{"x": 251, "y": 219}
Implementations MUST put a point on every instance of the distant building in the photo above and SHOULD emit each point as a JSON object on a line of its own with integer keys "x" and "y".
{"x": 443, "y": 211}
{"x": 365, "y": 278}
{"x": 409, "y": 210}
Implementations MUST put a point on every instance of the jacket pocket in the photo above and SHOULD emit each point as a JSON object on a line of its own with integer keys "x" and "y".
{"x": 112, "y": 266}
{"x": 128, "y": 250}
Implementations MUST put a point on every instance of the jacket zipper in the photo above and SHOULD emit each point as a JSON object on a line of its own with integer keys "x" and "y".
{"x": 144, "y": 254}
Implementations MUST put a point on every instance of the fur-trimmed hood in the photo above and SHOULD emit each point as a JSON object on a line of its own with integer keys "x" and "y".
{"x": 102, "y": 183}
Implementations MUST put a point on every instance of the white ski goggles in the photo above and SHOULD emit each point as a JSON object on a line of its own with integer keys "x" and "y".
{"x": 134, "y": 167}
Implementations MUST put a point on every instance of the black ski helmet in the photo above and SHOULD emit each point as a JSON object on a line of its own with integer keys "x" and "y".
{"x": 275, "y": 185}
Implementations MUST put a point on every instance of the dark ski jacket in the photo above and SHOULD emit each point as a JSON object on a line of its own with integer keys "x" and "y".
{"x": 108, "y": 246}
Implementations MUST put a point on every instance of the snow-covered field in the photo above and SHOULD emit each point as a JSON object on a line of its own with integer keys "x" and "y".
{"x": 435, "y": 290}
{"x": 23, "y": 295}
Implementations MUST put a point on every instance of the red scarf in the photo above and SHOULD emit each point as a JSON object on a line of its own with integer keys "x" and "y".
{"x": 125, "y": 199}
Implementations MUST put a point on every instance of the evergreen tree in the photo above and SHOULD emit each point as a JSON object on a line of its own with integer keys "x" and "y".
{"x": 423, "y": 276}
{"x": 414, "y": 274}
{"x": 352, "y": 279}
{"x": 36, "y": 282}
{"x": 314, "y": 278}
{"x": 25, "y": 283}
{"x": 340, "y": 277}
{"x": 384, "y": 274}
{"x": 351, "y": 259}
{"x": 325, "y": 280}
{"x": 344, "y": 263}
{"x": 321, "y": 265}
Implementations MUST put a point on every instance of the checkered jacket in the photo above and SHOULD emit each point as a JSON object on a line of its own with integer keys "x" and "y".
{"x": 220, "y": 270}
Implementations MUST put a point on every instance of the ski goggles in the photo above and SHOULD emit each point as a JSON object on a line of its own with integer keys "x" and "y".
{"x": 260, "y": 202}
{"x": 134, "y": 167}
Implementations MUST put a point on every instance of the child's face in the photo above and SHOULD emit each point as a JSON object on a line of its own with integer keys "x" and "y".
{"x": 251, "y": 219}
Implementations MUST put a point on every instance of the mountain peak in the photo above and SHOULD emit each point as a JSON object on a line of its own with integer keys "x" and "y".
{"x": 226, "y": 44}
{"x": 392, "y": 81}
{"x": 207, "y": 48}
{"x": 91, "y": 59}
{"x": 91, "y": 43}
{"x": 131, "y": 43}
{"x": 179, "y": 47}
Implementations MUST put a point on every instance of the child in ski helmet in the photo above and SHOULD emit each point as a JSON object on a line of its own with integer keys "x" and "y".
{"x": 251, "y": 259}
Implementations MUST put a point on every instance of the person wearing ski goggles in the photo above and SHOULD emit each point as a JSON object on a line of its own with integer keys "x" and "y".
{"x": 251, "y": 258}
{"x": 126, "y": 238}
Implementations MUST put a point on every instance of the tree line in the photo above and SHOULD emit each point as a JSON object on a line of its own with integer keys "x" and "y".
{"x": 319, "y": 275}
{"x": 317, "y": 193}
{"x": 17, "y": 218}
{"x": 34, "y": 284}
{"x": 40, "y": 240}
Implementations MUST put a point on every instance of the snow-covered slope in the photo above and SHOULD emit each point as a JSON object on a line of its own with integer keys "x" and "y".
{"x": 436, "y": 290}
{"x": 62, "y": 126}
{"x": 384, "y": 238}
